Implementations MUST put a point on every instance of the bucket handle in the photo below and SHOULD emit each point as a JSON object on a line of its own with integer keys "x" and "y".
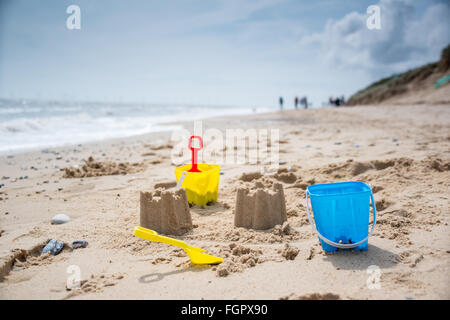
{"x": 342, "y": 245}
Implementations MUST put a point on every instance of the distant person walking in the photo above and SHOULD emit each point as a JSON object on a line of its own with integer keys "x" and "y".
{"x": 281, "y": 103}
{"x": 331, "y": 101}
{"x": 296, "y": 102}
{"x": 304, "y": 102}
{"x": 337, "y": 102}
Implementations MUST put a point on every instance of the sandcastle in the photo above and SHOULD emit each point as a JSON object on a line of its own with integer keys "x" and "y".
{"x": 166, "y": 211}
{"x": 260, "y": 209}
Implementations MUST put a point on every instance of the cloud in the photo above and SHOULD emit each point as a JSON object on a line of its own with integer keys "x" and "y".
{"x": 404, "y": 41}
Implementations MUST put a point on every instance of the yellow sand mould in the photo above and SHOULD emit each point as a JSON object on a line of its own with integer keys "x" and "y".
{"x": 201, "y": 187}
{"x": 201, "y": 180}
{"x": 194, "y": 253}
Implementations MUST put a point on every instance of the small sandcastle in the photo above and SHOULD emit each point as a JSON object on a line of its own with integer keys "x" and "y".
{"x": 260, "y": 209}
{"x": 166, "y": 211}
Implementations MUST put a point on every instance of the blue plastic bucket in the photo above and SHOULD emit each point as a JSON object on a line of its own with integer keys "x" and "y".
{"x": 341, "y": 213}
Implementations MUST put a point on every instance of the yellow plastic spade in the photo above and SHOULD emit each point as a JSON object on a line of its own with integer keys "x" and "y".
{"x": 194, "y": 253}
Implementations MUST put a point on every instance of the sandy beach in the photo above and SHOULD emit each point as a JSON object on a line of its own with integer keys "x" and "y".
{"x": 403, "y": 152}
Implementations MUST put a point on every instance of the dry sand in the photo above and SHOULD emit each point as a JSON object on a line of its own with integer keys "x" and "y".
{"x": 402, "y": 151}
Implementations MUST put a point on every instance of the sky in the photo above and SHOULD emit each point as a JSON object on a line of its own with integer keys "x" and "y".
{"x": 229, "y": 52}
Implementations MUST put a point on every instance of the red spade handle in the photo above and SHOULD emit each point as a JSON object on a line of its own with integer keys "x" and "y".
{"x": 194, "y": 153}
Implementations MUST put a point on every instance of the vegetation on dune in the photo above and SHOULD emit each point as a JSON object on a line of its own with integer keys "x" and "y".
{"x": 398, "y": 84}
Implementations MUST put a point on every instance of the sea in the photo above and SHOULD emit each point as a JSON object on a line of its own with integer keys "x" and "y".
{"x": 31, "y": 124}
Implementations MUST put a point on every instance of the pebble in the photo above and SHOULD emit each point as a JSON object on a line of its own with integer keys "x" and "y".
{"x": 79, "y": 244}
{"x": 60, "y": 218}
{"x": 53, "y": 246}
